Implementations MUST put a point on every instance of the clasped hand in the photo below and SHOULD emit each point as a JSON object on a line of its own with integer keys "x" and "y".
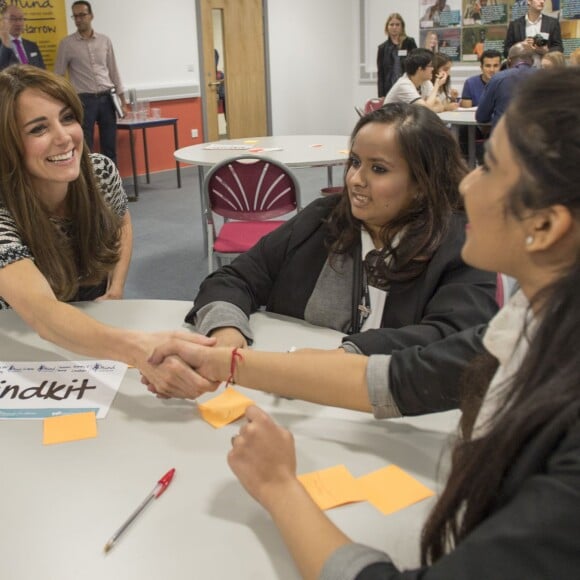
{"x": 187, "y": 365}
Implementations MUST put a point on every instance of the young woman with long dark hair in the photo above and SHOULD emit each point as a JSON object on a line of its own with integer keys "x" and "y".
{"x": 511, "y": 505}
{"x": 380, "y": 261}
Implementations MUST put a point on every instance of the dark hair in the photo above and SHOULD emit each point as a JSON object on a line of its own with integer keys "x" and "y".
{"x": 416, "y": 59}
{"x": 93, "y": 249}
{"x": 83, "y": 3}
{"x": 543, "y": 127}
{"x": 440, "y": 59}
{"x": 435, "y": 165}
{"x": 490, "y": 53}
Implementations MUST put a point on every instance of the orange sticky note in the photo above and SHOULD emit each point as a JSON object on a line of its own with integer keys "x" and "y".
{"x": 69, "y": 428}
{"x": 391, "y": 489}
{"x": 345, "y": 151}
{"x": 224, "y": 408}
{"x": 332, "y": 487}
{"x": 251, "y": 141}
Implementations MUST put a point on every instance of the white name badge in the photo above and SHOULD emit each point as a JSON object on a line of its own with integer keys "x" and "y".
{"x": 402, "y": 53}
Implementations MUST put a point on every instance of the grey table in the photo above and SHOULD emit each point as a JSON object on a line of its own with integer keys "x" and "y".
{"x": 132, "y": 126}
{"x": 464, "y": 117}
{"x": 59, "y": 504}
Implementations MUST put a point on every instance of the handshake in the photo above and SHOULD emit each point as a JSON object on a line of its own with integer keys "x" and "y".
{"x": 187, "y": 365}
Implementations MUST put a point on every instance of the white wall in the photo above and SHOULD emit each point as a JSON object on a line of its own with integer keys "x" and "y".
{"x": 155, "y": 45}
{"x": 312, "y": 66}
{"x": 314, "y": 53}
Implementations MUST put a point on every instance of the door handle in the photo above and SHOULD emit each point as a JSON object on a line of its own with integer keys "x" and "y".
{"x": 216, "y": 84}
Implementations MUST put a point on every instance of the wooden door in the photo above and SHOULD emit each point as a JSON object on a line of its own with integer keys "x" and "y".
{"x": 244, "y": 66}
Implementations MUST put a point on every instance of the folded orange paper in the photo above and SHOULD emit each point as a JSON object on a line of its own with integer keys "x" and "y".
{"x": 225, "y": 408}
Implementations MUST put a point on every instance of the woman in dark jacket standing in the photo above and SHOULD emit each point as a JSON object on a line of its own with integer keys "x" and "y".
{"x": 391, "y": 54}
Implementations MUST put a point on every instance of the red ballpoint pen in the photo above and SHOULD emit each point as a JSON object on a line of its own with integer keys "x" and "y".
{"x": 161, "y": 486}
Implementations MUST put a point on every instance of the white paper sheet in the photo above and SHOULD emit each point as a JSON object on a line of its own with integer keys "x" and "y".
{"x": 35, "y": 390}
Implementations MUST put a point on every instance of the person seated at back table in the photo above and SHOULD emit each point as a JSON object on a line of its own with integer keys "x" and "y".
{"x": 474, "y": 86}
{"x": 447, "y": 96}
{"x": 502, "y": 87}
{"x": 383, "y": 254}
{"x": 511, "y": 504}
{"x": 554, "y": 59}
{"x": 415, "y": 85}
{"x": 65, "y": 232}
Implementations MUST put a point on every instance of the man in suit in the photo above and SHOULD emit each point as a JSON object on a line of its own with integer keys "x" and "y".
{"x": 530, "y": 25}
{"x": 14, "y": 48}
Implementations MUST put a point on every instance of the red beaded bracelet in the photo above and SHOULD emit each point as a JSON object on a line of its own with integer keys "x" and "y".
{"x": 234, "y": 361}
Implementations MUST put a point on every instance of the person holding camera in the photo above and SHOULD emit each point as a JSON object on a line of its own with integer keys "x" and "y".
{"x": 540, "y": 32}
{"x": 501, "y": 88}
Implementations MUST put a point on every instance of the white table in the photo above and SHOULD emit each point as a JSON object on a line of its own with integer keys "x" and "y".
{"x": 465, "y": 117}
{"x": 59, "y": 504}
{"x": 295, "y": 151}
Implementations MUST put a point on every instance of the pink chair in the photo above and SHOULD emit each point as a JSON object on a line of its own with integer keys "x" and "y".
{"x": 373, "y": 104}
{"x": 248, "y": 192}
{"x": 370, "y": 106}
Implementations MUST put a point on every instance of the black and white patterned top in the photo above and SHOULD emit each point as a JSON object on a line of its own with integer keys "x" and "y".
{"x": 12, "y": 248}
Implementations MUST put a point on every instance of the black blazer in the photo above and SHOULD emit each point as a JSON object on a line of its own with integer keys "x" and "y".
{"x": 517, "y": 32}
{"x": 7, "y": 56}
{"x": 386, "y": 63}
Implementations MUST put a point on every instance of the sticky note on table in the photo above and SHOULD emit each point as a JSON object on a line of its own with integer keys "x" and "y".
{"x": 224, "y": 408}
{"x": 71, "y": 427}
{"x": 391, "y": 489}
{"x": 332, "y": 487}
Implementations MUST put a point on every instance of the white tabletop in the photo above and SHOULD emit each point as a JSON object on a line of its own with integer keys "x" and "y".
{"x": 296, "y": 150}
{"x": 59, "y": 504}
{"x": 460, "y": 117}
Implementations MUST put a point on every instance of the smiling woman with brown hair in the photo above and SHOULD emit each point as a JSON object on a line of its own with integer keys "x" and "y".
{"x": 65, "y": 232}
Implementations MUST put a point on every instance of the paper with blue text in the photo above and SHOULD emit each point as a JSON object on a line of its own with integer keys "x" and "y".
{"x": 35, "y": 390}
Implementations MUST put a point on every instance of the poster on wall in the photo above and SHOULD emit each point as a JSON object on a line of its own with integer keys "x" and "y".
{"x": 570, "y": 9}
{"x": 483, "y": 24}
{"x": 439, "y": 13}
{"x": 445, "y": 40}
{"x": 45, "y": 24}
{"x": 476, "y": 39}
{"x": 484, "y": 12}
{"x": 570, "y": 35}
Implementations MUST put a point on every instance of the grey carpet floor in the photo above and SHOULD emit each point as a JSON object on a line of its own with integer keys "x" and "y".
{"x": 168, "y": 256}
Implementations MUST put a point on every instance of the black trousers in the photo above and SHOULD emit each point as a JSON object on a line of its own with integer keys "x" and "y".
{"x": 99, "y": 110}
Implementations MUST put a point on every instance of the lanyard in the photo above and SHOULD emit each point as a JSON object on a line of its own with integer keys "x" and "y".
{"x": 364, "y": 308}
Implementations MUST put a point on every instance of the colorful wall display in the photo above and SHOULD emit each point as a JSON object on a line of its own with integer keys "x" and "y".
{"x": 463, "y": 29}
{"x": 45, "y": 24}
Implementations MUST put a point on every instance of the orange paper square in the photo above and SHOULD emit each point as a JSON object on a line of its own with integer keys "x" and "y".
{"x": 332, "y": 487}
{"x": 391, "y": 489}
{"x": 225, "y": 408}
{"x": 69, "y": 428}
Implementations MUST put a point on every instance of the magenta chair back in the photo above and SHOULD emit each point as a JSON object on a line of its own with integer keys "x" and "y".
{"x": 248, "y": 192}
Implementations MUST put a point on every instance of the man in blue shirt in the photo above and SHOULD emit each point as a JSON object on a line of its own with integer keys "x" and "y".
{"x": 474, "y": 86}
{"x": 500, "y": 89}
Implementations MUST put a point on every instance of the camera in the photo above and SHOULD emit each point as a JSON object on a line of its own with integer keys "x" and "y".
{"x": 539, "y": 40}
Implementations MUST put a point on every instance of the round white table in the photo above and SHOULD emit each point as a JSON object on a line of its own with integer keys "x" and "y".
{"x": 291, "y": 150}
{"x": 465, "y": 117}
{"x": 59, "y": 504}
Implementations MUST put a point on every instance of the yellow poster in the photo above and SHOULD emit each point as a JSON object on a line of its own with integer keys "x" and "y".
{"x": 45, "y": 24}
